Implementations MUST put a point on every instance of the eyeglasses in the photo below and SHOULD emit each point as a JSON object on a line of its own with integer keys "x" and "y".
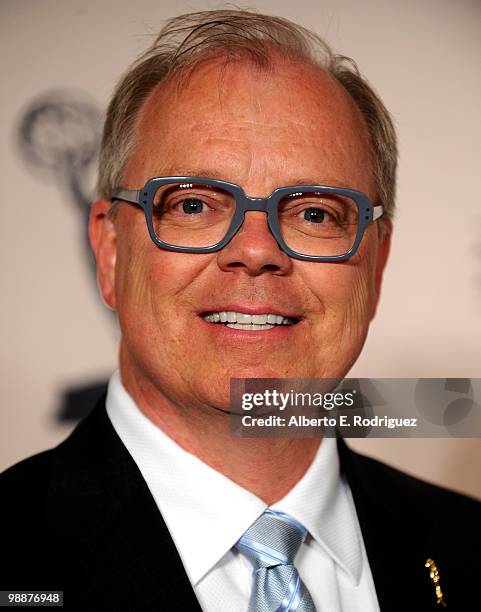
{"x": 191, "y": 214}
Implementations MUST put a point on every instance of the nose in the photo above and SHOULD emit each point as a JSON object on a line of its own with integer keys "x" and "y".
{"x": 254, "y": 249}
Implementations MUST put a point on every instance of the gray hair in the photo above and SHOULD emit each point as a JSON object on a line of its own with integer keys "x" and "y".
{"x": 190, "y": 39}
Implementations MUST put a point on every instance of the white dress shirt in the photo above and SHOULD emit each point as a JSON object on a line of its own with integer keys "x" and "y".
{"x": 206, "y": 513}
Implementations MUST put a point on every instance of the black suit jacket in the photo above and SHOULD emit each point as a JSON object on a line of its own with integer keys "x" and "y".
{"x": 80, "y": 518}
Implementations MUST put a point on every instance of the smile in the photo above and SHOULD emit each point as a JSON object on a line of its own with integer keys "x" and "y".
{"x": 248, "y": 322}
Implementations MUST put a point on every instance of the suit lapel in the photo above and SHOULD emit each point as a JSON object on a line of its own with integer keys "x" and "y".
{"x": 396, "y": 541}
{"x": 101, "y": 507}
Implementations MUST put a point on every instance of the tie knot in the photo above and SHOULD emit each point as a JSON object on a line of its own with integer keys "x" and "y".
{"x": 273, "y": 539}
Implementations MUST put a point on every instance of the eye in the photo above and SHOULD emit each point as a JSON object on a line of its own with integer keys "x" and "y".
{"x": 193, "y": 206}
{"x": 314, "y": 215}
{"x": 313, "y": 208}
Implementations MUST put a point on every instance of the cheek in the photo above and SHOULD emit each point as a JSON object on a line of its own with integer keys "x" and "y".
{"x": 152, "y": 288}
{"x": 133, "y": 285}
{"x": 359, "y": 301}
{"x": 360, "y": 295}
{"x": 344, "y": 295}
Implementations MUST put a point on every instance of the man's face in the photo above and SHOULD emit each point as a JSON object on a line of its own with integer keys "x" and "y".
{"x": 261, "y": 130}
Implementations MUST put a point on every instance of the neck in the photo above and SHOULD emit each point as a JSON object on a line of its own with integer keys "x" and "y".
{"x": 267, "y": 467}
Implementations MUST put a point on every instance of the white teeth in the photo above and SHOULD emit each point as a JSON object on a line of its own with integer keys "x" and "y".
{"x": 251, "y": 327}
{"x": 259, "y": 319}
{"x": 241, "y": 320}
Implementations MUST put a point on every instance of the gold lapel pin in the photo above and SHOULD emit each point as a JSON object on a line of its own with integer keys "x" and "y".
{"x": 434, "y": 575}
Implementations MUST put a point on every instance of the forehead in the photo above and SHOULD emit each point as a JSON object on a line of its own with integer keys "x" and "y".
{"x": 237, "y": 121}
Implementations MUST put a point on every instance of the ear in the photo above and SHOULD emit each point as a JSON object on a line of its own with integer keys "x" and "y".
{"x": 103, "y": 241}
{"x": 384, "y": 246}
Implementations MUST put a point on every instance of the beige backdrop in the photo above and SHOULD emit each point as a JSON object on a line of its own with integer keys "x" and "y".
{"x": 423, "y": 56}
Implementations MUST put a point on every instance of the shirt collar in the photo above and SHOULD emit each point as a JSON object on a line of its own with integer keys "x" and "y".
{"x": 322, "y": 502}
{"x": 206, "y": 512}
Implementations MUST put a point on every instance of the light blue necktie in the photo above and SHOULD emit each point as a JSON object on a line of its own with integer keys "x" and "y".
{"x": 271, "y": 543}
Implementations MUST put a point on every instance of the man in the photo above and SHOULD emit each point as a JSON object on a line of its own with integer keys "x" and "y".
{"x": 150, "y": 504}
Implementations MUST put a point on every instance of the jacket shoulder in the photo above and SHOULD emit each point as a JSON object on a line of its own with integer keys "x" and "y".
{"x": 27, "y": 479}
{"x": 417, "y": 510}
{"x": 405, "y": 489}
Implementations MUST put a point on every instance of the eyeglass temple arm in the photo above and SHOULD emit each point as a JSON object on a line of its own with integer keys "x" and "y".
{"x": 128, "y": 195}
{"x": 377, "y": 212}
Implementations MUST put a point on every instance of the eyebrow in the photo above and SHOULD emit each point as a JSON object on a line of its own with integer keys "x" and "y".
{"x": 312, "y": 181}
{"x": 195, "y": 172}
{"x": 214, "y": 174}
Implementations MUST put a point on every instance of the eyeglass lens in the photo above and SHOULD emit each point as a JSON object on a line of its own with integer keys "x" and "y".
{"x": 190, "y": 215}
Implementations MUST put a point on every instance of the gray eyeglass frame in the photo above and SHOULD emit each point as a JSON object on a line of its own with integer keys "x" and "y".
{"x": 144, "y": 198}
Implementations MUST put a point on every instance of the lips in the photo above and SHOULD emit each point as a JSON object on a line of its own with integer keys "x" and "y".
{"x": 235, "y": 319}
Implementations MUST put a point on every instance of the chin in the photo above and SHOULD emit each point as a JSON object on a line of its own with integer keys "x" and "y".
{"x": 215, "y": 393}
